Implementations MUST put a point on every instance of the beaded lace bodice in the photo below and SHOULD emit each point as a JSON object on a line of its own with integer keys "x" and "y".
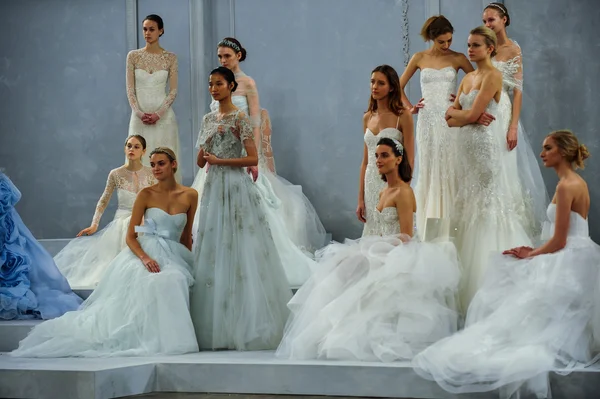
{"x": 512, "y": 70}
{"x": 225, "y": 137}
{"x": 128, "y": 184}
{"x": 436, "y": 87}
{"x": 387, "y": 222}
{"x": 147, "y": 77}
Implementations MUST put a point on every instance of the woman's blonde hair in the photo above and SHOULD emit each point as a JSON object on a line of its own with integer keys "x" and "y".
{"x": 168, "y": 152}
{"x": 488, "y": 36}
{"x": 570, "y": 148}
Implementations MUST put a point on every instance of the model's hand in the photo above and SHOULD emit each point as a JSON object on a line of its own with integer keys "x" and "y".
{"x": 360, "y": 212}
{"x": 88, "y": 232}
{"x": 150, "y": 264}
{"x": 511, "y": 137}
{"x": 519, "y": 252}
{"x": 253, "y": 171}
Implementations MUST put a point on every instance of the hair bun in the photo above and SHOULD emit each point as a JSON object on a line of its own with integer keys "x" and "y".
{"x": 583, "y": 152}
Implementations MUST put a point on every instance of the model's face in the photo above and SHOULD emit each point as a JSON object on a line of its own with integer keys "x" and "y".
{"x": 151, "y": 31}
{"x": 134, "y": 151}
{"x": 162, "y": 167}
{"x": 492, "y": 19}
{"x": 550, "y": 155}
{"x": 218, "y": 87}
{"x": 478, "y": 50}
{"x": 380, "y": 86}
{"x": 228, "y": 57}
{"x": 385, "y": 159}
{"x": 443, "y": 42}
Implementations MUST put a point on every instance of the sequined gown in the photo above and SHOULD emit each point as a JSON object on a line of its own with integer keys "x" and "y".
{"x": 147, "y": 77}
{"x": 436, "y": 143}
{"x": 375, "y": 298}
{"x": 85, "y": 259}
{"x": 132, "y": 312}
{"x": 31, "y": 287}
{"x": 524, "y": 158}
{"x": 373, "y": 182}
{"x": 297, "y": 229}
{"x": 487, "y": 212}
{"x": 240, "y": 296}
{"x": 530, "y": 317}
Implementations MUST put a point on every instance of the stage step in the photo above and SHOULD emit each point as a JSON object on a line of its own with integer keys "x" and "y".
{"x": 238, "y": 373}
{"x": 54, "y": 245}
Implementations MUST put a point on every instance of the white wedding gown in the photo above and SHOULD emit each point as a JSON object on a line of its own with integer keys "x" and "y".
{"x": 295, "y": 225}
{"x": 531, "y": 316}
{"x": 132, "y": 312}
{"x": 84, "y": 260}
{"x": 147, "y": 77}
{"x": 523, "y": 157}
{"x": 437, "y": 148}
{"x": 375, "y": 298}
{"x": 373, "y": 182}
{"x": 488, "y": 209}
{"x": 240, "y": 296}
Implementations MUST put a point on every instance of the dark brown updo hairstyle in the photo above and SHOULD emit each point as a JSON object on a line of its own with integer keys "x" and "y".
{"x": 570, "y": 148}
{"x": 436, "y": 26}
{"x": 404, "y": 169}
{"x": 395, "y": 94}
{"x": 158, "y": 20}
{"x": 166, "y": 151}
{"x": 227, "y": 74}
{"x": 235, "y": 45}
{"x": 140, "y": 138}
{"x": 501, "y": 9}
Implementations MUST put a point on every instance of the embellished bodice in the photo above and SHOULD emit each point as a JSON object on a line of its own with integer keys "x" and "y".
{"x": 161, "y": 224}
{"x": 578, "y": 226}
{"x": 387, "y": 222}
{"x": 436, "y": 87}
{"x": 147, "y": 78}
{"x": 225, "y": 137}
{"x": 371, "y": 141}
{"x": 511, "y": 68}
{"x": 128, "y": 184}
{"x": 467, "y": 100}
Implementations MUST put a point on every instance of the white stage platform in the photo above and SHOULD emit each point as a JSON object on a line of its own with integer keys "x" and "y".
{"x": 237, "y": 372}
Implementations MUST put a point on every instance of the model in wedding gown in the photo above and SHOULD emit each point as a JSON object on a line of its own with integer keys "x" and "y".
{"x": 386, "y": 117}
{"x": 488, "y": 212}
{"x": 141, "y": 306}
{"x": 85, "y": 259}
{"x": 378, "y": 298}
{"x": 149, "y": 70}
{"x": 508, "y": 60}
{"x": 436, "y": 183}
{"x": 538, "y": 309}
{"x": 240, "y": 296}
{"x": 294, "y": 222}
{"x": 31, "y": 287}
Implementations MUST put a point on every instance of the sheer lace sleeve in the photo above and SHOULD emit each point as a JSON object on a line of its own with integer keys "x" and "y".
{"x": 105, "y": 198}
{"x": 253, "y": 101}
{"x": 130, "y": 82}
{"x": 243, "y": 127}
{"x": 203, "y": 135}
{"x": 265, "y": 144}
{"x": 513, "y": 76}
{"x": 173, "y": 80}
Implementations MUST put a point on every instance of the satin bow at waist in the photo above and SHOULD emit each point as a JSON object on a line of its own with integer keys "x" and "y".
{"x": 150, "y": 228}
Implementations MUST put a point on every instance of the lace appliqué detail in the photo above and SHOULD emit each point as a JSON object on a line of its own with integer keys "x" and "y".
{"x": 151, "y": 63}
{"x": 122, "y": 179}
{"x": 512, "y": 71}
{"x": 225, "y": 137}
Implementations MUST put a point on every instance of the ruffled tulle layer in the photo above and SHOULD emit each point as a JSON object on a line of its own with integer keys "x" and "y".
{"x": 85, "y": 259}
{"x": 373, "y": 299}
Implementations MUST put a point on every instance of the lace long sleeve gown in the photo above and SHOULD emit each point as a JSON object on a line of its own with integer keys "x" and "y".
{"x": 488, "y": 210}
{"x": 523, "y": 157}
{"x": 31, "y": 287}
{"x": 132, "y": 312}
{"x": 147, "y": 77}
{"x": 373, "y": 182}
{"x": 531, "y": 316}
{"x": 375, "y": 298}
{"x": 437, "y": 181}
{"x": 293, "y": 220}
{"x": 85, "y": 259}
{"x": 240, "y": 296}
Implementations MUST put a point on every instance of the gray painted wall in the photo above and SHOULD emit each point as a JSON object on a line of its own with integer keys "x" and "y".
{"x": 65, "y": 114}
